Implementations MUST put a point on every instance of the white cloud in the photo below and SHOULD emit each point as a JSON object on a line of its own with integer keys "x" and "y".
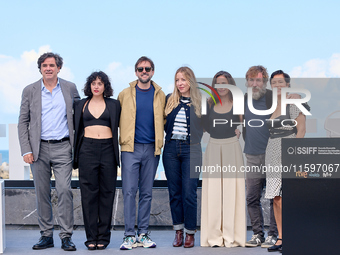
{"x": 314, "y": 68}
{"x": 4, "y": 57}
{"x": 318, "y": 68}
{"x": 334, "y": 63}
{"x": 15, "y": 74}
{"x": 120, "y": 76}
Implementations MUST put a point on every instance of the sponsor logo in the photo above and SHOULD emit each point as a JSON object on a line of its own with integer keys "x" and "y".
{"x": 302, "y": 150}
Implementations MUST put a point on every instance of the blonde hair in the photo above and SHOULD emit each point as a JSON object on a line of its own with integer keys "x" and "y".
{"x": 195, "y": 94}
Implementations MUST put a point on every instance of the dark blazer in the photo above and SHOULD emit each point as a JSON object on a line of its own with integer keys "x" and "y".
{"x": 29, "y": 126}
{"x": 114, "y": 108}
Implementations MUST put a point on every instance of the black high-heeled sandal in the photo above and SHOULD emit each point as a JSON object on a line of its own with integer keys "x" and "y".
{"x": 275, "y": 247}
{"x": 101, "y": 246}
{"x": 91, "y": 248}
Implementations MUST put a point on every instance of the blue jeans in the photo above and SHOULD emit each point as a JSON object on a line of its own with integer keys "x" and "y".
{"x": 180, "y": 159}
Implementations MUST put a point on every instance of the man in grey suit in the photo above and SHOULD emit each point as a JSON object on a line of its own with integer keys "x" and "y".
{"x": 46, "y": 140}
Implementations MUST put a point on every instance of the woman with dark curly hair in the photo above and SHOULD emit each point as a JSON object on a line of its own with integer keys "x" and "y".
{"x": 96, "y": 120}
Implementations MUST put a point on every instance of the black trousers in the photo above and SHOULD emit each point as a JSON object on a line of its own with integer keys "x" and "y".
{"x": 97, "y": 179}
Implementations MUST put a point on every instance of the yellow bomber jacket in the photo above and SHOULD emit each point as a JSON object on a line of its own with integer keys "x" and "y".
{"x": 127, "y": 99}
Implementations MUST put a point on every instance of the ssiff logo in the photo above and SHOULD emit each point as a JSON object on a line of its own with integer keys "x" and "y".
{"x": 302, "y": 150}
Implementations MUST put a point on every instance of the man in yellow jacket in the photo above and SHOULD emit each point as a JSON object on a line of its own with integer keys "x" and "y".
{"x": 141, "y": 139}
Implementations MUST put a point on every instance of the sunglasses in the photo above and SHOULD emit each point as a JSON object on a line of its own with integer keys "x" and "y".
{"x": 147, "y": 69}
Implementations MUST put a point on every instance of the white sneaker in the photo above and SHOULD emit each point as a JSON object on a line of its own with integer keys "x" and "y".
{"x": 269, "y": 242}
{"x": 145, "y": 241}
{"x": 256, "y": 240}
{"x": 129, "y": 242}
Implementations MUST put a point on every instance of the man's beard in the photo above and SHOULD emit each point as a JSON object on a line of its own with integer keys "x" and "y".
{"x": 144, "y": 81}
{"x": 260, "y": 93}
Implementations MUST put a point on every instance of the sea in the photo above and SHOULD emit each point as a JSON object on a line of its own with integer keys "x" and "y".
{"x": 4, "y": 156}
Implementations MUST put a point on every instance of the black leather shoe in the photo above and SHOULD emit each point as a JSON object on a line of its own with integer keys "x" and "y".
{"x": 67, "y": 244}
{"x": 43, "y": 243}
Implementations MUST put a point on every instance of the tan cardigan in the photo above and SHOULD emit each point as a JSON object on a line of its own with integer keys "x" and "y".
{"x": 127, "y": 122}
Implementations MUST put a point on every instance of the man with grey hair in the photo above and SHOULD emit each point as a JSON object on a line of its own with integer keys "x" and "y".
{"x": 46, "y": 139}
{"x": 256, "y": 139}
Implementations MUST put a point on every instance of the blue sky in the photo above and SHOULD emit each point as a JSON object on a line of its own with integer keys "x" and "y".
{"x": 301, "y": 38}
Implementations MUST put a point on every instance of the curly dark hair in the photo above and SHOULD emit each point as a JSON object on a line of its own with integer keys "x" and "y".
{"x": 108, "y": 91}
{"x": 43, "y": 57}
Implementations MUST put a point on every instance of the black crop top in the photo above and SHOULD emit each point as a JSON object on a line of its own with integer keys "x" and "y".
{"x": 222, "y": 129}
{"x": 90, "y": 120}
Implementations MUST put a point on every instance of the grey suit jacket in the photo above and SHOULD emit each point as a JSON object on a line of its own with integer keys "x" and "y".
{"x": 29, "y": 126}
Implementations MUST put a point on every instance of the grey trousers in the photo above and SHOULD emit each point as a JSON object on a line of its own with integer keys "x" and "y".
{"x": 57, "y": 156}
{"x": 255, "y": 182}
{"x": 138, "y": 171}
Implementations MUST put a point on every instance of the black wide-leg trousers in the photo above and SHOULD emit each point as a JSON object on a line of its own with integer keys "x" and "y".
{"x": 97, "y": 178}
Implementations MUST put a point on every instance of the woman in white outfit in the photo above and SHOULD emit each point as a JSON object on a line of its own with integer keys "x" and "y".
{"x": 223, "y": 212}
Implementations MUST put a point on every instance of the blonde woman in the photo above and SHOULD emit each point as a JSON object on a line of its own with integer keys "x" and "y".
{"x": 223, "y": 212}
{"x": 182, "y": 152}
